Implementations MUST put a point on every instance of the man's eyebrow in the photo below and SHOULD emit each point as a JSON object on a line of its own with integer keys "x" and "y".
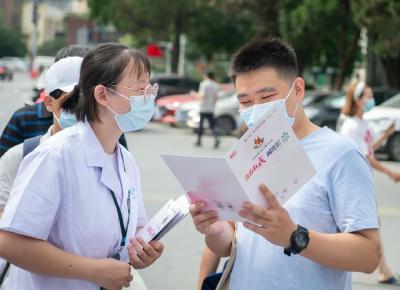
{"x": 266, "y": 90}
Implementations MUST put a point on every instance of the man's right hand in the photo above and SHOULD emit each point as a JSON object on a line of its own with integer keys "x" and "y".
{"x": 112, "y": 274}
{"x": 207, "y": 222}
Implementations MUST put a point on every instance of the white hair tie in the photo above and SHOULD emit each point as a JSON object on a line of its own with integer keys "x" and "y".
{"x": 358, "y": 91}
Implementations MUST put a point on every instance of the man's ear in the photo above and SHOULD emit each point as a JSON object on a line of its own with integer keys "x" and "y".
{"x": 100, "y": 94}
{"x": 48, "y": 103}
{"x": 299, "y": 88}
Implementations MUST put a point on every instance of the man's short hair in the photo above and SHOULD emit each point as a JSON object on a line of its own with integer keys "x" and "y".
{"x": 265, "y": 53}
{"x": 71, "y": 50}
{"x": 210, "y": 74}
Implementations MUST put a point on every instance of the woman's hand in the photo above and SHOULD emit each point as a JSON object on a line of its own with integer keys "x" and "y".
{"x": 142, "y": 254}
{"x": 112, "y": 274}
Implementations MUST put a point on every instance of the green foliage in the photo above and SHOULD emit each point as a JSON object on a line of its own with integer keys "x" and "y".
{"x": 11, "y": 43}
{"x": 51, "y": 47}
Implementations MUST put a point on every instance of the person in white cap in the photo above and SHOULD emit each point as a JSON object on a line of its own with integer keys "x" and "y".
{"x": 359, "y": 100}
{"x": 60, "y": 80}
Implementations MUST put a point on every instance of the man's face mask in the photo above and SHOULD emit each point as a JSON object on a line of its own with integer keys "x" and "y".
{"x": 252, "y": 114}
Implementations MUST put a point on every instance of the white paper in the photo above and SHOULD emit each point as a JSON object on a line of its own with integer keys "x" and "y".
{"x": 165, "y": 219}
{"x": 269, "y": 153}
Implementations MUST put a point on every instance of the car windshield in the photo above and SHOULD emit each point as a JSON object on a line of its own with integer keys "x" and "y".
{"x": 393, "y": 102}
{"x": 336, "y": 101}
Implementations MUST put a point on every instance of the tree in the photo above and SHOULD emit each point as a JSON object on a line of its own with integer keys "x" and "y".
{"x": 323, "y": 33}
{"x": 205, "y": 22}
{"x": 148, "y": 20}
{"x": 382, "y": 20}
{"x": 11, "y": 43}
{"x": 52, "y": 46}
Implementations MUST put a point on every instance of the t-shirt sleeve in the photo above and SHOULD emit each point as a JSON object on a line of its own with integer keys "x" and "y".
{"x": 352, "y": 194}
{"x": 202, "y": 89}
{"x": 9, "y": 164}
{"x": 35, "y": 196}
{"x": 352, "y": 132}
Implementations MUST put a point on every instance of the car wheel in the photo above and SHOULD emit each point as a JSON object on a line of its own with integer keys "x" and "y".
{"x": 393, "y": 147}
{"x": 225, "y": 125}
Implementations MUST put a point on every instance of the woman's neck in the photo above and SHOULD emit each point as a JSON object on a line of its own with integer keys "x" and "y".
{"x": 108, "y": 134}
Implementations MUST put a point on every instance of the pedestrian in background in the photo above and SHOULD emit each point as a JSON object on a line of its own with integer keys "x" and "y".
{"x": 208, "y": 95}
{"x": 359, "y": 100}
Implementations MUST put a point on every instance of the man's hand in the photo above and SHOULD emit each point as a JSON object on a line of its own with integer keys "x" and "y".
{"x": 273, "y": 223}
{"x": 112, "y": 274}
{"x": 142, "y": 254}
{"x": 207, "y": 222}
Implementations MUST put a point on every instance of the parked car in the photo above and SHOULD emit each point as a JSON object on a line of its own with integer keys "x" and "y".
{"x": 380, "y": 118}
{"x": 226, "y": 114}
{"x": 174, "y": 85}
{"x": 5, "y": 73}
{"x": 167, "y": 107}
{"x": 326, "y": 110}
{"x": 14, "y": 63}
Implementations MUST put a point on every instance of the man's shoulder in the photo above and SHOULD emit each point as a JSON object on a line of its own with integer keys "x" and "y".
{"x": 27, "y": 110}
{"x": 14, "y": 155}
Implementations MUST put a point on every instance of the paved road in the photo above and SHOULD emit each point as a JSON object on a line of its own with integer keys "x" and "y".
{"x": 177, "y": 268}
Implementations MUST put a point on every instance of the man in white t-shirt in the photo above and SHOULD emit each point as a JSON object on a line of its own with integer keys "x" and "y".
{"x": 208, "y": 94}
{"x": 329, "y": 228}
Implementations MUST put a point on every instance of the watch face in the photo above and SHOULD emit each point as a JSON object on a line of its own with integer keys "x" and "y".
{"x": 301, "y": 240}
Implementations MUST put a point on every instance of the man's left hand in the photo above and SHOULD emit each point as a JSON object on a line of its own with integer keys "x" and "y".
{"x": 273, "y": 223}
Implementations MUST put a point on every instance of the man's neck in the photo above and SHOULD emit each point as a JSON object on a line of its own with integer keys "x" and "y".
{"x": 303, "y": 126}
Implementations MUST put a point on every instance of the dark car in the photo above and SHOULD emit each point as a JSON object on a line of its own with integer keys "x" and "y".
{"x": 5, "y": 73}
{"x": 174, "y": 85}
{"x": 325, "y": 111}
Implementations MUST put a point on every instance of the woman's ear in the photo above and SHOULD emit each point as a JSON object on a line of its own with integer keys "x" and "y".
{"x": 100, "y": 94}
{"x": 49, "y": 103}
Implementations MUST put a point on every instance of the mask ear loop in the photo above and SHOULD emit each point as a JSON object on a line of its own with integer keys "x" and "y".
{"x": 297, "y": 103}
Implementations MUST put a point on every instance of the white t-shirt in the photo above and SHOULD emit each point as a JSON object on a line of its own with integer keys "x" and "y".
{"x": 208, "y": 91}
{"x": 339, "y": 198}
{"x": 357, "y": 131}
{"x": 9, "y": 164}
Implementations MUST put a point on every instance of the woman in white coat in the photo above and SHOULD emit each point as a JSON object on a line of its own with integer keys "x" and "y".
{"x": 76, "y": 201}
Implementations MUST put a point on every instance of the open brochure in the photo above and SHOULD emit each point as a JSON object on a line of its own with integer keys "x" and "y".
{"x": 165, "y": 219}
{"x": 268, "y": 153}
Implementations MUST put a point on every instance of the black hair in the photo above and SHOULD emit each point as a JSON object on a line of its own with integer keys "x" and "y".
{"x": 57, "y": 93}
{"x": 103, "y": 65}
{"x": 265, "y": 53}
{"x": 71, "y": 50}
{"x": 210, "y": 74}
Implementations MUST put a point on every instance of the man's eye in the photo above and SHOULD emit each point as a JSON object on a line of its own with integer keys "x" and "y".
{"x": 268, "y": 97}
{"x": 245, "y": 103}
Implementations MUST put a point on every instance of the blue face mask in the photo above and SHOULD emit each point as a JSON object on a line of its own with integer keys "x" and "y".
{"x": 66, "y": 119}
{"x": 252, "y": 114}
{"x": 369, "y": 105}
{"x": 142, "y": 110}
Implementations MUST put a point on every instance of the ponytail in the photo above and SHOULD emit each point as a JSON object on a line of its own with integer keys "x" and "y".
{"x": 72, "y": 100}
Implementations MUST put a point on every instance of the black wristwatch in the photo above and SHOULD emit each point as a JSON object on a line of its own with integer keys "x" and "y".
{"x": 298, "y": 241}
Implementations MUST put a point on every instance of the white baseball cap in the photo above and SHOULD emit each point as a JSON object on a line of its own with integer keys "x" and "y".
{"x": 63, "y": 75}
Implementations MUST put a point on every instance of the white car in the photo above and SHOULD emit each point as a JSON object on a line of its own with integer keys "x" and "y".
{"x": 226, "y": 114}
{"x": 381, "y": 118}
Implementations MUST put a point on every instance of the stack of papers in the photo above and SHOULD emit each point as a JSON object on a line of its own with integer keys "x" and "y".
{"x": 165, "y": 219}
{"x": 269, "y": 153}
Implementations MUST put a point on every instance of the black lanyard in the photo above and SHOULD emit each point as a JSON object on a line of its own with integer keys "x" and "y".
{"x": 124, "y": 230}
